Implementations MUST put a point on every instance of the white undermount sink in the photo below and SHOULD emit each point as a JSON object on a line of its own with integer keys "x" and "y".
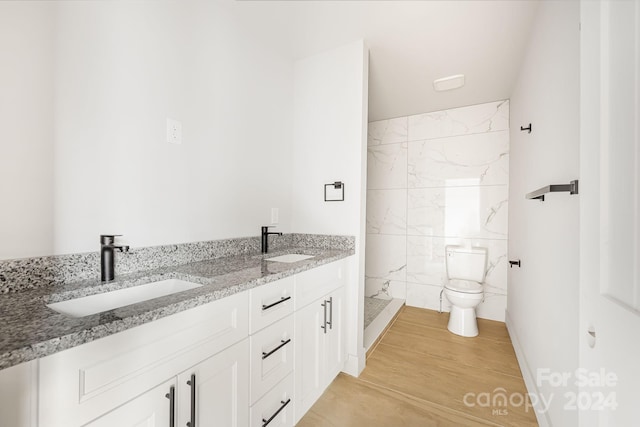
{"x": 92, "y": 304}
{"x": 289, "y": 258}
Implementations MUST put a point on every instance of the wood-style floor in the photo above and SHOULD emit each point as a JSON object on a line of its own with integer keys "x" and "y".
{"x": 419, "y": 374}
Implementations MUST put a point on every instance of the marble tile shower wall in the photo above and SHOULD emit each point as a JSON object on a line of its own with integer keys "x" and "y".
{"x": 433, "y": 180}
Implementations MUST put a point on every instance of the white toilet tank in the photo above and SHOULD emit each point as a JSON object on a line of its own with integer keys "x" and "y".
{"x": 466, "y": 263}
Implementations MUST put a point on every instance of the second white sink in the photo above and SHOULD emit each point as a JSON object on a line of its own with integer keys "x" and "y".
{"x": 289, "y": 258}
{"x": 92, "y": 304}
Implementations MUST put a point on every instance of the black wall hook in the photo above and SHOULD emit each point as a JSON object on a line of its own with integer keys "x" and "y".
{"x": 526, "y": 128}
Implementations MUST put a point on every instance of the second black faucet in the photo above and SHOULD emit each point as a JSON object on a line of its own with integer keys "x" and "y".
{"x": 107, "y": 255}
{"x": 265, "y": 238}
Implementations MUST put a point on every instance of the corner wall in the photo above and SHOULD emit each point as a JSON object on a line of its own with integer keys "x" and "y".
{"x": 543, "y": 297}
{"x": 329, "y": 144}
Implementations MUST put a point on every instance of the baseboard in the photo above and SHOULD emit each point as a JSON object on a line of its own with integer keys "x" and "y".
{"x": 527, "y": 374}
{"x": 354, "y": 364}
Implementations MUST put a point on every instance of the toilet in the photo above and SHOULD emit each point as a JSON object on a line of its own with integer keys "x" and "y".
{"x": 463, "y": 288}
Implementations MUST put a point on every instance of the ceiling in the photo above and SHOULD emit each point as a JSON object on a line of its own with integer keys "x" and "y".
{"x": 411, "y": 44}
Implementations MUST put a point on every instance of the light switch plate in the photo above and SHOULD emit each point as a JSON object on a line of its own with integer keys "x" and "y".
{"x": 174, "y": 131}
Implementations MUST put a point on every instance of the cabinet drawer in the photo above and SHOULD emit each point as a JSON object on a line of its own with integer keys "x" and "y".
{"x": 317, "y": 282}
{"x": 269, "y": 303}
{"x": 271, "y": 356}
{"x": 82, "y": 383}
{"x": 276, "y": 405}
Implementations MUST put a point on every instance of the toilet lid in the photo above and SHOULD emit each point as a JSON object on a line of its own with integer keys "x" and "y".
{"x": 465, "y": 286}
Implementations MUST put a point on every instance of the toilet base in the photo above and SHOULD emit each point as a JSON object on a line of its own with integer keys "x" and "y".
{"x": 462, "y": 321}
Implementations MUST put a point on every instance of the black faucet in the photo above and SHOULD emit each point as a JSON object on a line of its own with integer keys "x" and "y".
{"x": 107, "y": 255}
{"x": 265, "y": 238}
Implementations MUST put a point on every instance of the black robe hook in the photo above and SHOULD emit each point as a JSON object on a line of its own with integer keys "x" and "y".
{"x": 526, "y": 128}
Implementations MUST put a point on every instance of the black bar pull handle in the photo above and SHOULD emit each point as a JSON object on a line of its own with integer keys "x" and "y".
{"x": 280, "y": 301}
{"x": 192, "y": 383}
{"x": 172, "y": 406}
{"x": 324, "y": 306}
{"x": 282, "y": 344}
{"x": 330, "y": 322}
{"x": 265, "y": 423}
{"x": 512, "y": 263}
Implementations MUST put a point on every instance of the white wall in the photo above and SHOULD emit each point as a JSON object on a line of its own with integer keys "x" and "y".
{"x": 329, "y": 134}
{"x": 437, "y": 179}
{"x": 118, "y": 70}
{"x": 26, "y": 119}
{"x": 121, "y": 70}
{"x": 543, "y": 295}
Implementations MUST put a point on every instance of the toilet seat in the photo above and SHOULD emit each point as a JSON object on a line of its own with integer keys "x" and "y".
{"x": 464, "y": 286}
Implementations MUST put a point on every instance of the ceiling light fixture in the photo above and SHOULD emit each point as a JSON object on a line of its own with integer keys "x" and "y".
{"x": 449, "y": 83}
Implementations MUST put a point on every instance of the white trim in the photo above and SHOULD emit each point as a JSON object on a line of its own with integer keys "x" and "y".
{"x": 527, "y": 375}
{"x": 354, "y": 365}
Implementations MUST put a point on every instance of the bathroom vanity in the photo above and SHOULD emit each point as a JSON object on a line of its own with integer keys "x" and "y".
{"x": 250, "y": 347}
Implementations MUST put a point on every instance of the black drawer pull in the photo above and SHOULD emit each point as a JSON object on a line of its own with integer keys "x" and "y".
{"x": 280, "y": 301}
{"x": 192, "y": 383}
{"x": 282, "y": 344}
{"x": 172, "y": 406}
{"x": 324, "y": 307}
{"x": 265, "y": 423}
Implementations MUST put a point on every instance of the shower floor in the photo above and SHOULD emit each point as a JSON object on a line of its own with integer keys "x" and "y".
{"x": 372, "y": 308}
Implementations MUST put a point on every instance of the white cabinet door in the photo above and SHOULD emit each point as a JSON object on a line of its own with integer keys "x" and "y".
{"x": 18, "y": 392}
{"x": 216, "y": 391}
{"x": 334, "y": 339}
{"x": 151, "y": 409}
{"x": 309, "y": 346}
{"x": 309, "y": 361}
{"x": 220, "y": 396}
{"x": 319, "y": 346}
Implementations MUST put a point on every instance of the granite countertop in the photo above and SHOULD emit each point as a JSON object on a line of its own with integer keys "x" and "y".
{"x": 30, "y": 330}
